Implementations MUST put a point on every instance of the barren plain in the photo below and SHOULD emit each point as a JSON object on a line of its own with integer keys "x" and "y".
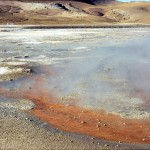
{"x": 68, "y": 89}
{"x": 74, "y": 13}
{"x": 74, "y": 75}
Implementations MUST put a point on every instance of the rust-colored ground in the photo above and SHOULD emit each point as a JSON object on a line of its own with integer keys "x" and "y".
{"x": 73, "y": 119}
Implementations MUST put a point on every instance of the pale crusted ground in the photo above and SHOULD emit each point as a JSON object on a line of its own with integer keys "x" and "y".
{"x": 21, "y": 131}
{"x": 13, "y": 70}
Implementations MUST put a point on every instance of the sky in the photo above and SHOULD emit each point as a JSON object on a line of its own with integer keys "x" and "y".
{"x": 133, "y": 0}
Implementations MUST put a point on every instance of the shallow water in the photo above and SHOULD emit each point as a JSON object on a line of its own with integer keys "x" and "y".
{"x": 98, "y": 69}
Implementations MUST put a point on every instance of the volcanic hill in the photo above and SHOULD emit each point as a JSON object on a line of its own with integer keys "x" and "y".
{"x": 75, "y": 12}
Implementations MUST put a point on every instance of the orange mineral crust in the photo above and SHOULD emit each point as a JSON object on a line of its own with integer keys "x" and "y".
{"x": 74, "y": 119}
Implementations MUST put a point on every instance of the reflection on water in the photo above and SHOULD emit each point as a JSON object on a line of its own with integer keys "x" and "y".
{"x": 101, "y": 73}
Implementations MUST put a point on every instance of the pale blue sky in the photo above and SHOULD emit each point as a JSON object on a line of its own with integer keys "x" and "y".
{"x": 133, "y": 0}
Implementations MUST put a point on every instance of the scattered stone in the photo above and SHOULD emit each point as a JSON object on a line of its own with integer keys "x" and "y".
{"x": 17, "y": 56}
{"x": 120, "y": 142}
{"x": 97, "y": 126}
{"x": 30, "y": 120}
{"x": 82, "y": 122}
{"x": 44, "y": 124}
{"x": 105, "y": 124}
{"x": 28, "y": 70}
{"x": 92, "y": 138}
{"x": 26, "y": 56}
{"x": 106, "y": 145}
{"x": 143, "y": 139}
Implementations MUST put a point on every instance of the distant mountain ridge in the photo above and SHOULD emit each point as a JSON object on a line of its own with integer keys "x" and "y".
{"x": 73, "y": 12}
{"x": 83, "y": 1}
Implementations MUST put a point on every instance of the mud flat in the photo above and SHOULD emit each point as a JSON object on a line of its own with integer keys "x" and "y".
{"x": 92, "y": 82}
